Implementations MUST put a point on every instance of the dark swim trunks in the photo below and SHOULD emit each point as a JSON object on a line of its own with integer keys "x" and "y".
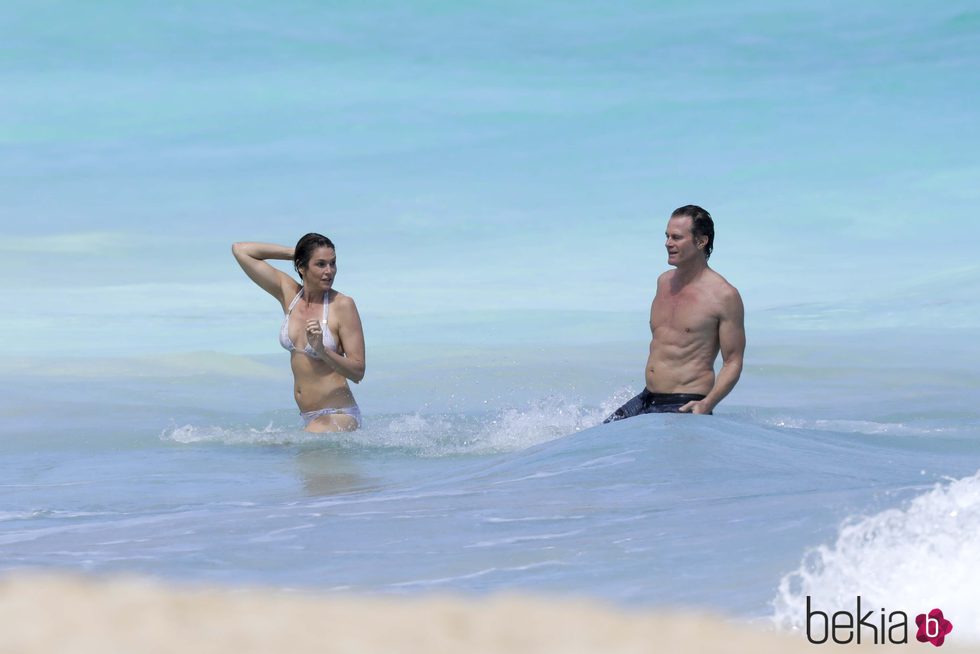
{"x": 647, "y": 402}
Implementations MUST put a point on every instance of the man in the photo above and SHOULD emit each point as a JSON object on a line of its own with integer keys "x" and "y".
{"x": 695, "y": 314}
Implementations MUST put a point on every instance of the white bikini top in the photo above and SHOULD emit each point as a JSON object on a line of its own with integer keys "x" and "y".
{"x": 308, "y": 350}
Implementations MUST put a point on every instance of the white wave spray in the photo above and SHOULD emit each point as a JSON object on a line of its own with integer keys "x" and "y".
{"x": 913, "y": 559}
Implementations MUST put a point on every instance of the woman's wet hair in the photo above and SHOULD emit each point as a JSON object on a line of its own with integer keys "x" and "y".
{"x": 701, "y": 224}
{"x": 306, "y": 246}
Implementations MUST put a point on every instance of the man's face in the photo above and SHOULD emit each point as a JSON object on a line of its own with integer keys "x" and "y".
{"x": 680, "y": 244}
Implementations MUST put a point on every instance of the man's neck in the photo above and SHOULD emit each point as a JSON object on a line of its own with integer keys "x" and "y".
{"x": 686, "y": 274}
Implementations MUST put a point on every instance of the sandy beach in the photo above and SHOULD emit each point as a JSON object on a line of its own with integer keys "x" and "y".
{"x": 74, "y": 614}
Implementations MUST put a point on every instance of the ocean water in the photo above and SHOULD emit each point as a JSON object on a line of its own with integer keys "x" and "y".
{"x": 497, "y": 177}
{"x": 837, "y": 469}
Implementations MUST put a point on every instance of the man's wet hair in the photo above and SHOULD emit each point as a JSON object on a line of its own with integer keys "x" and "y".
{"x": 701, "y": 224}
{"x": 306, "y": 246}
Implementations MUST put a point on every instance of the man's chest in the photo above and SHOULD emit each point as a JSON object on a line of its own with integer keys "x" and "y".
{"x": 686, "y": 312}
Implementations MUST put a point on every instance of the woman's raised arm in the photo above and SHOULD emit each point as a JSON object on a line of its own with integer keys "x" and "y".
{"x": 251, "y": 257}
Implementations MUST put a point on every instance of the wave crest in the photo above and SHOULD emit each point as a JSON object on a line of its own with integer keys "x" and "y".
{"x": 913, "y": 559}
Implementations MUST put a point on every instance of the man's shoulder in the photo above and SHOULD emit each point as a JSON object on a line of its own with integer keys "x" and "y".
{"x": 720, "y": 285}
{"x": 663, "y": 281}
{"x": 729, "y": 301}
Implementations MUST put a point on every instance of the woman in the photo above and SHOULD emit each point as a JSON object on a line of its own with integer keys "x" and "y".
{"x": 321, "y": 330}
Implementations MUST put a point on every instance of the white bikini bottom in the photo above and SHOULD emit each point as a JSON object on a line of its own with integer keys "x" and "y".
{"x": 353, "y": 411}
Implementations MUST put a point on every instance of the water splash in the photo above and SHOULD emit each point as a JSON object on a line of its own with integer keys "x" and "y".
{"x": 913, "y": 559}
{"x": 428, "y": 435}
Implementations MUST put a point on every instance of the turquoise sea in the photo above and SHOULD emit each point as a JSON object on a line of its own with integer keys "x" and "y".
{"x": 497, "y": 177}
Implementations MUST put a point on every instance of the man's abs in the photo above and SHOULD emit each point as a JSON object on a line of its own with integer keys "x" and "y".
{"x": 685, "y": 374}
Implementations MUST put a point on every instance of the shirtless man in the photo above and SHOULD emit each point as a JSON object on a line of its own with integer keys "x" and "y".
{"x": 695, "y": 314}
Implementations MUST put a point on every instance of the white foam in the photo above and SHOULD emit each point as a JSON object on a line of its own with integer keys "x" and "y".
{"x": 913, "y": 559}
{"x": 856, "y": 426}
{"x": 269, "y": 435}
{"x": 450, "y": 435}
{"x": 545, "y": 420}
{"x": 507, "y": 430}
{"x": 46, "y": 513}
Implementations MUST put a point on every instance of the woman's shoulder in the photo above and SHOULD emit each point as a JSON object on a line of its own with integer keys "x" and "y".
{"x": 289, "y": 289}
{"x": 342, "y": 301}
{"x": 344, "y": 308}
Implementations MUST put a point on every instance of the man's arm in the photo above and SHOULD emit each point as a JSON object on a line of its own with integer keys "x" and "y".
{"x": 731, "y": 340}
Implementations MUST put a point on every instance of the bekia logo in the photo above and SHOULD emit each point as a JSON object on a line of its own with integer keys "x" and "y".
{"x": 932, "y": 627}
{"x": 844, "y": 627}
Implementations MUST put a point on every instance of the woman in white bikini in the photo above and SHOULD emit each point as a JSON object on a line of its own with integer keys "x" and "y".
{"x": 321, "y": 330}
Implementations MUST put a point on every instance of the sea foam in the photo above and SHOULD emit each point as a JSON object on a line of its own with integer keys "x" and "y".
{"x": 913, "y": 559}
